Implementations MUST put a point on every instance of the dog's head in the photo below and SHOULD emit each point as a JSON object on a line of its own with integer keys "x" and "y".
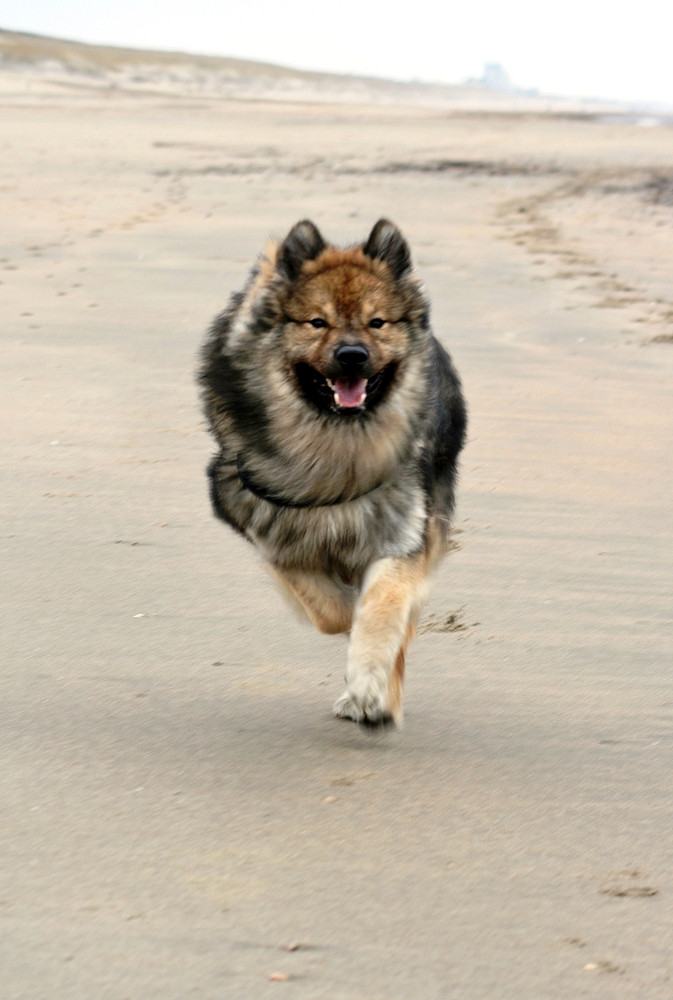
{"x": 347, "y": 319}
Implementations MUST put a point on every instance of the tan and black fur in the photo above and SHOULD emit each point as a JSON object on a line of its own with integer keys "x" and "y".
{"x": 339, "y": 419}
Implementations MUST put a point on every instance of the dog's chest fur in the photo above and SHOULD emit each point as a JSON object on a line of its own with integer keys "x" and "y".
{"x": 339, "y": 540}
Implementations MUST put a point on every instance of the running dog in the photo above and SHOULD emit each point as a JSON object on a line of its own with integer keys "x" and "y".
{"x": 339, "y": 419}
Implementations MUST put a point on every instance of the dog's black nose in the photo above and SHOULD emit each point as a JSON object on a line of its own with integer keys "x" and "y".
{"x": 352, "y": 357}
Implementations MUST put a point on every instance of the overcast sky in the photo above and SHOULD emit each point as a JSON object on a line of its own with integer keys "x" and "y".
{"x": 591, "y": 48}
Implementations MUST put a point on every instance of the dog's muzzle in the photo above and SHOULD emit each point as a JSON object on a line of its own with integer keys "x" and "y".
{"x": 350, "y": 387}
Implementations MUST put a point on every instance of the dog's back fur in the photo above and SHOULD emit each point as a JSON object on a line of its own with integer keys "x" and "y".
{"x": 331, "y": 487}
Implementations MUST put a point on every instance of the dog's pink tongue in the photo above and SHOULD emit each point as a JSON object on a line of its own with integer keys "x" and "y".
{"x": 350, "y": 391}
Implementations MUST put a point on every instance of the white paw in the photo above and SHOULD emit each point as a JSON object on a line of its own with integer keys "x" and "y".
{"x": 345, "y": 708}
{"x": 364, "y": 701}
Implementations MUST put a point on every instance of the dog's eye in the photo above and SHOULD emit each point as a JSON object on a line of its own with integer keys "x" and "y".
{"x": 318, "y": 323}
{"x": 376, "y": 323}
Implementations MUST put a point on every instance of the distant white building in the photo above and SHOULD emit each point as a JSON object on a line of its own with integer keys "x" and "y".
{"x": 496, "y": 77}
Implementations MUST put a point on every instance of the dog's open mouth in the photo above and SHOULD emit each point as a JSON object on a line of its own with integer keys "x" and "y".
{"x": 347, "y": 395}
{"x": 349, "y": 392}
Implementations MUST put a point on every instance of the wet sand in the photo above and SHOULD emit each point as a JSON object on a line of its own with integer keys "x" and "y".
{"x": 177, "y": 802}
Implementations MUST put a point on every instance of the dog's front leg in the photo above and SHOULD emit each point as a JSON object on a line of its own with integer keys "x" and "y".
{"x": 393, "y": 593}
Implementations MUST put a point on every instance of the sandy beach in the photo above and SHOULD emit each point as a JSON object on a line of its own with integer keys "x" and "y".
{"x": 180, "y": 813}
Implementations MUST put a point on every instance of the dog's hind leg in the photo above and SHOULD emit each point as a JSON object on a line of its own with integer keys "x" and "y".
{"x": 326, "y": 604}
{"x": 396, "y": 682}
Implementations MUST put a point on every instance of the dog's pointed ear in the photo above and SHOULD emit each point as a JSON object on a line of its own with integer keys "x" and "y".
{"x": 302, "y": 243}
{"x": 387, "y": 243}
